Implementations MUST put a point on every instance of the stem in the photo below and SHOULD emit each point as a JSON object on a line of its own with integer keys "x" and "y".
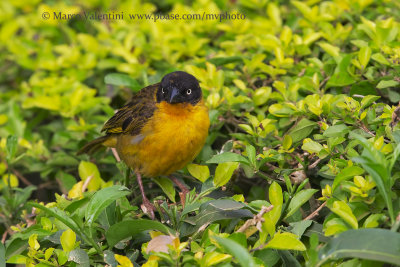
{"x": 127, "y": 173}
{"x": 315, "y": 212}
{"x": 396, "y": 225}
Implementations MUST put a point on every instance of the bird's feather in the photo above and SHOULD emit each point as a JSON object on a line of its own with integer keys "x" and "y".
{"x": 131, "y": 118}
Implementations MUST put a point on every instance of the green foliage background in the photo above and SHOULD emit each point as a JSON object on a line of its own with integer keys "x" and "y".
{"x": 303, "y": 100}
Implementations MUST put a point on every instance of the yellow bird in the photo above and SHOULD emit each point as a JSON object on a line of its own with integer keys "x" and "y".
{"x": 160, "y": 130}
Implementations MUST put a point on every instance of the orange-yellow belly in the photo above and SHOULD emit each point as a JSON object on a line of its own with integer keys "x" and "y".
{"x": 171, "y": 139}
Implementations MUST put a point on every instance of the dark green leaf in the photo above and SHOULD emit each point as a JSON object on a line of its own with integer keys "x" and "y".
{"x": 2, "y": 255}
{"x": 79, "y": 256}
{"x": 288, "y": 259}
{"x": 341, "y": 76}
{"x": 216, "y": 210}
{"x": 363, "y": 88}
{"x": 301, "y": 130}
{"x": 372, "y": 244}
{"x": 101, "y": 199}
{"x": 299, "y": 199}
{"x": 298, "y": 228}
{"x": 228, "y": 157}
{"x": 109, "y": 258}
{"x": 15, "y": 246}
{"x": 125, "y": 229}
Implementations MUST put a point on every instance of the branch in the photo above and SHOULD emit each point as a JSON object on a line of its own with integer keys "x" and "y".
{"x": 258, "y": 218}
{"x": 315, "y": 212}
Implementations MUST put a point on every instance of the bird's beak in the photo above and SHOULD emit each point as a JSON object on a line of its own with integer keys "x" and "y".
{"x": 174, "y": 95}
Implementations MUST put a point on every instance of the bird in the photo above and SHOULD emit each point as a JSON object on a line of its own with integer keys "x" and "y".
{"x": 160, "y": 130}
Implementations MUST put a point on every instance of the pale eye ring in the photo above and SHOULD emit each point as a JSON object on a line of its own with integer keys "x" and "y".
{"x": 189, "y": 91}
{"x": 162, "y": 90}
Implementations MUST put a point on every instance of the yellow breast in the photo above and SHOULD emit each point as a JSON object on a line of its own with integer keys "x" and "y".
{"x": 170, "y": 139}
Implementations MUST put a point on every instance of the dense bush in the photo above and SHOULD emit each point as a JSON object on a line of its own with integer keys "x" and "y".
{"x": 303, "y": 144}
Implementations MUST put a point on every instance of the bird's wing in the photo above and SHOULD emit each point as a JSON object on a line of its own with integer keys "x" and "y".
{"x": 131, "y": 118}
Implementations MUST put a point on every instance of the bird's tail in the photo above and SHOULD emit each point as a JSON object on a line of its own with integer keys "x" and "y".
{"x": 94, "y": 145}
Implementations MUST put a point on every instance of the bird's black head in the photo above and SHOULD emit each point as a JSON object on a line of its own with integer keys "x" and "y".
{"x": 179, "y": 87}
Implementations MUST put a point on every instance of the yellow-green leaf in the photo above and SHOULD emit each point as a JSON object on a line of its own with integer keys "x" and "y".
{"x": 364, "y": 55}
{"x": 123, "y": 261}
{"x": 68, "y": 239}
{"x": 223, "y": 173}
{"x": 33, "y": 243}
{"x": 285, "y": 241}
{"x": 200, "y": 172}
{"x": 88, "y": 170}
{"x": 341, "y": 209}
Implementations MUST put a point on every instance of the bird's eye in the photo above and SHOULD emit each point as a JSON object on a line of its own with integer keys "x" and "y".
{"x": 189, "y": 91}
{"x": 162, "y": 90}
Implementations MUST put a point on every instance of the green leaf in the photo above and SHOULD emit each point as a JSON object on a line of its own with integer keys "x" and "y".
{"x": 363, "y": 88}
{"x": 303, "y": 129}
{"x": 312, "y": 147}
{"x": 101, "y": 199}
{"x": 3, "y": 255}
{"x": 11, "y": 146}
{"x": 368, "y": 100}
{"x": 370, "y": 244}
{"x": 67, "y": 240}
{"x": 251, "y": 154}
{"x": 335, "y": 226}
{"x": 330, "y": 49}
{"x": 120, "y": 79}
{"x": 298, "y": 228}
{"x": 228, "y": 157}
{"x": 276, "y": 199}
{"x": 337, "y": 130}
{"x": 16, "y": 259}
{"x": 223, "y": 173}
{"x": 59, "y": 215}
{"x": 288, "y": 259}
{"x": 109, "y": 258}
{"x": 378, "y": 57}
{"x": 375, "y": 163}
{"x": 275, "y": 194}
{"x": 236, "y": 250}
{"x": 167, "y": 186}
{"x": 287, "y": 142}
{"x": 373, "y": 220}
{"x": 215, "y": 210}
{"x": 341, "y": 76}
{"x": 270, "y": 257}
{"x": 15, "y": 247}
{"x": 285, "y": 241}
{"x": 346, "y": 174}
{"x": 341, "y": 209}
{"x": 200, "y": 172}
{"x": 386, "y": 84}
{"x": 364, "y": 55}
{"x": 261, "y": 95}
{"x": 299, "y": 199}
{"x": 125, "y": 229}
{"x": 79, "y": 256}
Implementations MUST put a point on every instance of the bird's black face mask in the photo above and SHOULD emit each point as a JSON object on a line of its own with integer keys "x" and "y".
{"x": 179, "y": 87}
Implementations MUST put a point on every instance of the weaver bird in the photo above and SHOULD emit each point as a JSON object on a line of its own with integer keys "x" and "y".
{"x": 160, "y": 130}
